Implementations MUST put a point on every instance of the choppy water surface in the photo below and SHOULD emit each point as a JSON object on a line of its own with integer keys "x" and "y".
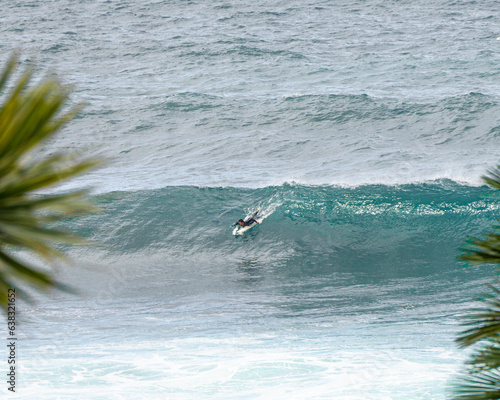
{"x": 360, "y": 128}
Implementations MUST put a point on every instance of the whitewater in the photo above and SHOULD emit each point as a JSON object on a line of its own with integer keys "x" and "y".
{"x": 362, "y": 128}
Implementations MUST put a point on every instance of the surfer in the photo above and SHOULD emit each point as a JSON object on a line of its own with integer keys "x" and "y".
{"x": 249, "y": 221}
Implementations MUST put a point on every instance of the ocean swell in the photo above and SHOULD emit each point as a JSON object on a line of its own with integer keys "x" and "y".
{"x": 376, "y": 230}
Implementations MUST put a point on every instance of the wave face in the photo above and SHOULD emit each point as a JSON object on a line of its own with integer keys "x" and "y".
{"x": 337, "y": 292}
{"x": 371, "y": 232}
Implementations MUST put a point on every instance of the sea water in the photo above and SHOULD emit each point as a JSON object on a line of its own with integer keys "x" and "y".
{"x": 361, "y": 128}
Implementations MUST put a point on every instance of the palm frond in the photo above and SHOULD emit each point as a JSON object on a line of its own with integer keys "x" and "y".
{"x": 29, "y": 116}
{"x": 479, "y": 251}
{"x": 493, "y": 179}
{"x": 482, "y": 378}
{"x": 486, "y": 358}
{"x": 9, "y": 68}
{"x": 487, "y": 250}
{"x": 483, "y": 323}
{"x": 481, "y": 386}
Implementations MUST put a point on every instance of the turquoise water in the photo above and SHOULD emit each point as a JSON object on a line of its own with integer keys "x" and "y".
{"x": 361, "y": 129}
{"x": 339, "y": 293}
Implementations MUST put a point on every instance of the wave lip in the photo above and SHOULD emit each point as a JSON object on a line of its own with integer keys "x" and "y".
{"x": 108, "y": 180}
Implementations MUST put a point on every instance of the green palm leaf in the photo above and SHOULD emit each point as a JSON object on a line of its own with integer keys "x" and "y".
{"x": 483, "y": 386}
{"x": 29, "y": 116}
{"x": 479, "y": 251}
{"x": 487, "y": 250}
{"x": 482, "y": 323}
{"x": 493, "y": 179}
{"x": 482, "y": 378}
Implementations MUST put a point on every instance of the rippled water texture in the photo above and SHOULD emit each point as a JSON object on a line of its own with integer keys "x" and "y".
{"x": 361, "y": 129}
{"x": 252, "y": 94}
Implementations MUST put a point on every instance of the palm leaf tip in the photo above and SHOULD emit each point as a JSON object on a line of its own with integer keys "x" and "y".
{"x": 479, "y": 251}
{"x": 482, "y": 323}
{"x": 479, "y": 386}
{"x": 493, "y": 178}
{"x": 29, "y": 116}
{"x": 9, "y": 68}
{"x": 481, "y": 379}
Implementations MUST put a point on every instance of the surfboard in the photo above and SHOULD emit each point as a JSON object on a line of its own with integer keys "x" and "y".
{"x": 240, "y": 230}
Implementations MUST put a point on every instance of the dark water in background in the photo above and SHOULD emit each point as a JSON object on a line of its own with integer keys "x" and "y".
{"x": 360, "y": 128}
{"x": 253, "y": 94}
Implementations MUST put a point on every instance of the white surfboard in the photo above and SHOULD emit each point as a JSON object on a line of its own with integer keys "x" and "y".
{"x": 240, "y": 230}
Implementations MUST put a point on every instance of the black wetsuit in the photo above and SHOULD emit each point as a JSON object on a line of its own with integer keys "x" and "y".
{"x": 251, "y": 221}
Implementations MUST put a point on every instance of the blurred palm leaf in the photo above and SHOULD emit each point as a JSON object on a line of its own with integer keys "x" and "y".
{"x": 488, "y": 250}
{"x": 482, "y": 378}
{"x": 485, "y": 385}
{"x": 483, "y": 251}
{"x": 483, "y": 323}
{"x": 30, "y": 116}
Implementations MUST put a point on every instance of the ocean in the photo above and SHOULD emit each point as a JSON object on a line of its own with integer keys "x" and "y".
{"x": 361, "y": 130}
